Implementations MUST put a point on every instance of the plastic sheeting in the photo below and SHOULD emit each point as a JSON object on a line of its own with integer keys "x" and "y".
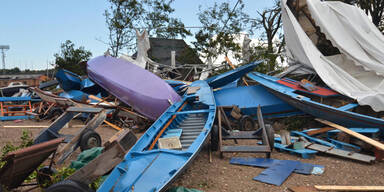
{"x": 358, "y": 71}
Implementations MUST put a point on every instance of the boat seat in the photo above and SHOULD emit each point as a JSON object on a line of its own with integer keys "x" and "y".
{"x": 191, "y": 127}
{"x": 348, "y": 107}
{"x": 172, "y": 133}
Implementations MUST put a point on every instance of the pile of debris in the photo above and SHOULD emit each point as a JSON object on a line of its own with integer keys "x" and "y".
{"x": 179, "y": 117}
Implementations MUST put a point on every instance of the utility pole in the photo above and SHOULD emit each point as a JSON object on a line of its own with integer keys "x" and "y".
{"x": 3, "y": 49}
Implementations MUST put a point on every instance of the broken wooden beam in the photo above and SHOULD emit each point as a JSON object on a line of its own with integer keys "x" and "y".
{"x": 318, "y": 131}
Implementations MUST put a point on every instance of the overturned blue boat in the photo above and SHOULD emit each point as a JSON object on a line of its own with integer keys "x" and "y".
{"x": 248, "y": 98}
{"x": 301, "y": 99}
{"x": 149, "y": 166}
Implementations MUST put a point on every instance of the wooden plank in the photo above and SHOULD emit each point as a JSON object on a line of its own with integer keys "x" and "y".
{"x": 112, "y": 125}
{"x": 303, "y": 189}
{"x": 357, "y": 135}
{"x": 342, "y": 153}
{"x": 348, "y": 188}
{"x": 100, "y": 165}
{"x": 318, "y": 131}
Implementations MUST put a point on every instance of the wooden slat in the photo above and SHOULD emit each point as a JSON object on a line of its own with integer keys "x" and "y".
{"x": 357, "y": 135}
{"x": 318, "y": 131}
{"x": 348, "y": 188}
{"x": 112, "y": 125}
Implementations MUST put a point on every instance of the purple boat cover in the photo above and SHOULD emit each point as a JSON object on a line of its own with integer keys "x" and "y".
{"x": 142, "y": 90}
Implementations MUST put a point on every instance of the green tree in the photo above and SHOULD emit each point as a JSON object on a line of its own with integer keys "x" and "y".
{"x": 123, "y": 17}
{"x": 221, "y": 25}
{"x": 157, "y": 20}
{"x": 70, "y": 57}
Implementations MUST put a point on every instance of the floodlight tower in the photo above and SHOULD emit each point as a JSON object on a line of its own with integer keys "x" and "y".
{"x": 3, "y": 49}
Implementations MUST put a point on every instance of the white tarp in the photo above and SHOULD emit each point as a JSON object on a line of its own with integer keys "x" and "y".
{"x": 358, "y": 71}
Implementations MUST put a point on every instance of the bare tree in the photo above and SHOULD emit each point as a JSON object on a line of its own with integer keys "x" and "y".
{"x": 269, "y": 21}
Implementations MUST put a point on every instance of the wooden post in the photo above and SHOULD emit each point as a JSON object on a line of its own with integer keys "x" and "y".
{"x": 2, "y": 110}
{"x": 220, "y": 138}
{"x": 30, "y": 106}
{"x": 225, "y": 118}
{"x": 40, "y": 107}
{"x": 226, "y": 121}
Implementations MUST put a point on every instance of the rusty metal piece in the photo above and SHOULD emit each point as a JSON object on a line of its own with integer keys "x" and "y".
{"x": 21, "y": 163}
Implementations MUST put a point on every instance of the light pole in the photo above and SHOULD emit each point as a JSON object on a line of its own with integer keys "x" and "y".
{"x": 3, "y": 49}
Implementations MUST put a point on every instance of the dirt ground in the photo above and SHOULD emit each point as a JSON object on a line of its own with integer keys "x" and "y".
{"x": 219, "y": 175}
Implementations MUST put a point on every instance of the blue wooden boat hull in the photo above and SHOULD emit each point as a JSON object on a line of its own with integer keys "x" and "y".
{"x": 337, "y": 115}
{"x": 153, "y": 170}
{"x": 248, "y": 98}
{"x": 231, "y": 76}
{"x": 68, "y": 80}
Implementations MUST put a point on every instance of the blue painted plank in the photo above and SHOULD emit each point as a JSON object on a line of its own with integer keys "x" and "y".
{"x": 11, "y": 118}
{"x": 302, "y": 168}
{"x": 15, "y": 98}
{"x": 313, "y": 139}
{"x": 192, "y": 112}
{"x": 359, "y": 130}
{"x": 369, "y": 132}
{"x": 344, "y": 146}
{"x": 230, "y": 76}
{"x": 278, "y": 173}
{"x": 348, "y": 107}
{"x": 257, "y": 162}
{"x": 172, "y": 133}
{"x": 305, "y": 153}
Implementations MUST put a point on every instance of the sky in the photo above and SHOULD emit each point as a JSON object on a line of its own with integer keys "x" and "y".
{"x": 35, "y": 29}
